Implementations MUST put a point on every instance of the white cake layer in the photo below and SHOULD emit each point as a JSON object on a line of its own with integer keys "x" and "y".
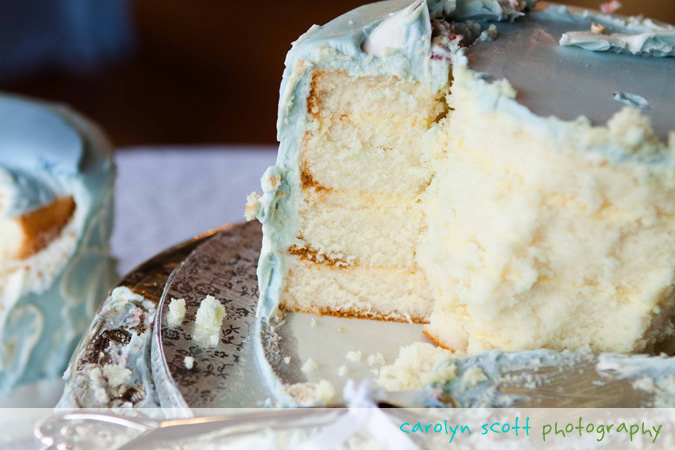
{"x": 377, "y": 293}
{"x": 373, "y": 129}
{"x": 374, "y": 155}
{"x": 25, "y": 235}
{"x": 337, "y": 92}
{"x": 349, "y": 228}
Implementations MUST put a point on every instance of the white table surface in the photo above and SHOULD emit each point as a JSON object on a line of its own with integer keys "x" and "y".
{"x": 167, "y": 195}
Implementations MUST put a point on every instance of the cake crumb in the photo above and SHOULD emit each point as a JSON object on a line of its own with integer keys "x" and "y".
{"x": 116, "y": 375}
{"x": 96, "y": 384}
{"x": 340, "y": 330}
{"x": 310, "y": 394}
{"x": 598, "y": 29}
{"x": 325, "y": 391}
{"x": 417, "y": 365}
{"x": 189, "y": 362}
{"x": 488, "y": 35}
{"x": 287, "y": 360}
{"x": 252, "y": 206}
{"x": 473, "y": 376}
{"x": 645, "y": 384}
{"x": 149, "y": 306}
{"x": 377, "y": 358}
{"x": 176, "y": 312}
{"x": 441, "y": 372}
{"x": 209, "y": 319}
{"x": 354, "y": 356}
{"x": 610, "y": 6}
{"x": 342, "y": 371}
{"x": 313, "y": 323}
{"x": 309, "y": 366}
{"x": 271, "y": 182}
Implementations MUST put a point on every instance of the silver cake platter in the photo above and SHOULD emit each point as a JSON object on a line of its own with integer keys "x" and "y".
{"x": 225, "y": 375}
{"x": 252, "y": 362}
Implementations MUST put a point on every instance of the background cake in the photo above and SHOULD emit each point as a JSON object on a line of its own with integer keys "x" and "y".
{"x": 506, "y": 178}
{"x": 56, "y": 180}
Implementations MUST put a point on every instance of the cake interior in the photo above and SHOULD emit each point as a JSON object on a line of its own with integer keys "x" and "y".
{"x": 364, "y": 169}
{"x": 26, "y": 235}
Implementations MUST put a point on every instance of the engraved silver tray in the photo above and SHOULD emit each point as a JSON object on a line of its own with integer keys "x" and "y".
{"x": 222, "y": 263}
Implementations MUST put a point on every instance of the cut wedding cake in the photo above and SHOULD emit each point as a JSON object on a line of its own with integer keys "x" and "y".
{"x": 501, "y": 171}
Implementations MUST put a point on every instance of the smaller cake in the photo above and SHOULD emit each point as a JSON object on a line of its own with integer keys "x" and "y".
{"x": 56, "y": 182}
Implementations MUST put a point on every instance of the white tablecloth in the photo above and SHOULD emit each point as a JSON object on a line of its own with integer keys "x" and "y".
{"x": 167, "y": 195}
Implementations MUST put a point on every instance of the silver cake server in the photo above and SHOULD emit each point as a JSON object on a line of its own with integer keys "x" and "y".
{"x": 97, "y": 430}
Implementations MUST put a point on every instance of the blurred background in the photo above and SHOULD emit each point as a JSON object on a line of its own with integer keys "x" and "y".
{"x": 156, "y": 72}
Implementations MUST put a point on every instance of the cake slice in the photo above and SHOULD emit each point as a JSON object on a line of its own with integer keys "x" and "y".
{"x": 451, "y": 163}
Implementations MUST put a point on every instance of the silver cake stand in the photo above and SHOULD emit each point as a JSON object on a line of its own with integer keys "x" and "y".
{"x": 252, "y": 362}
{"x": 222, "y": 263}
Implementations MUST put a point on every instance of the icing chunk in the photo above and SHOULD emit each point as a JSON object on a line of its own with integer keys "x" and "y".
{"x": 632, "y": 35}
{"x": 655, "y": 43}
{"x": 391, "y": 34}
{"x": 636, "y": 101}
